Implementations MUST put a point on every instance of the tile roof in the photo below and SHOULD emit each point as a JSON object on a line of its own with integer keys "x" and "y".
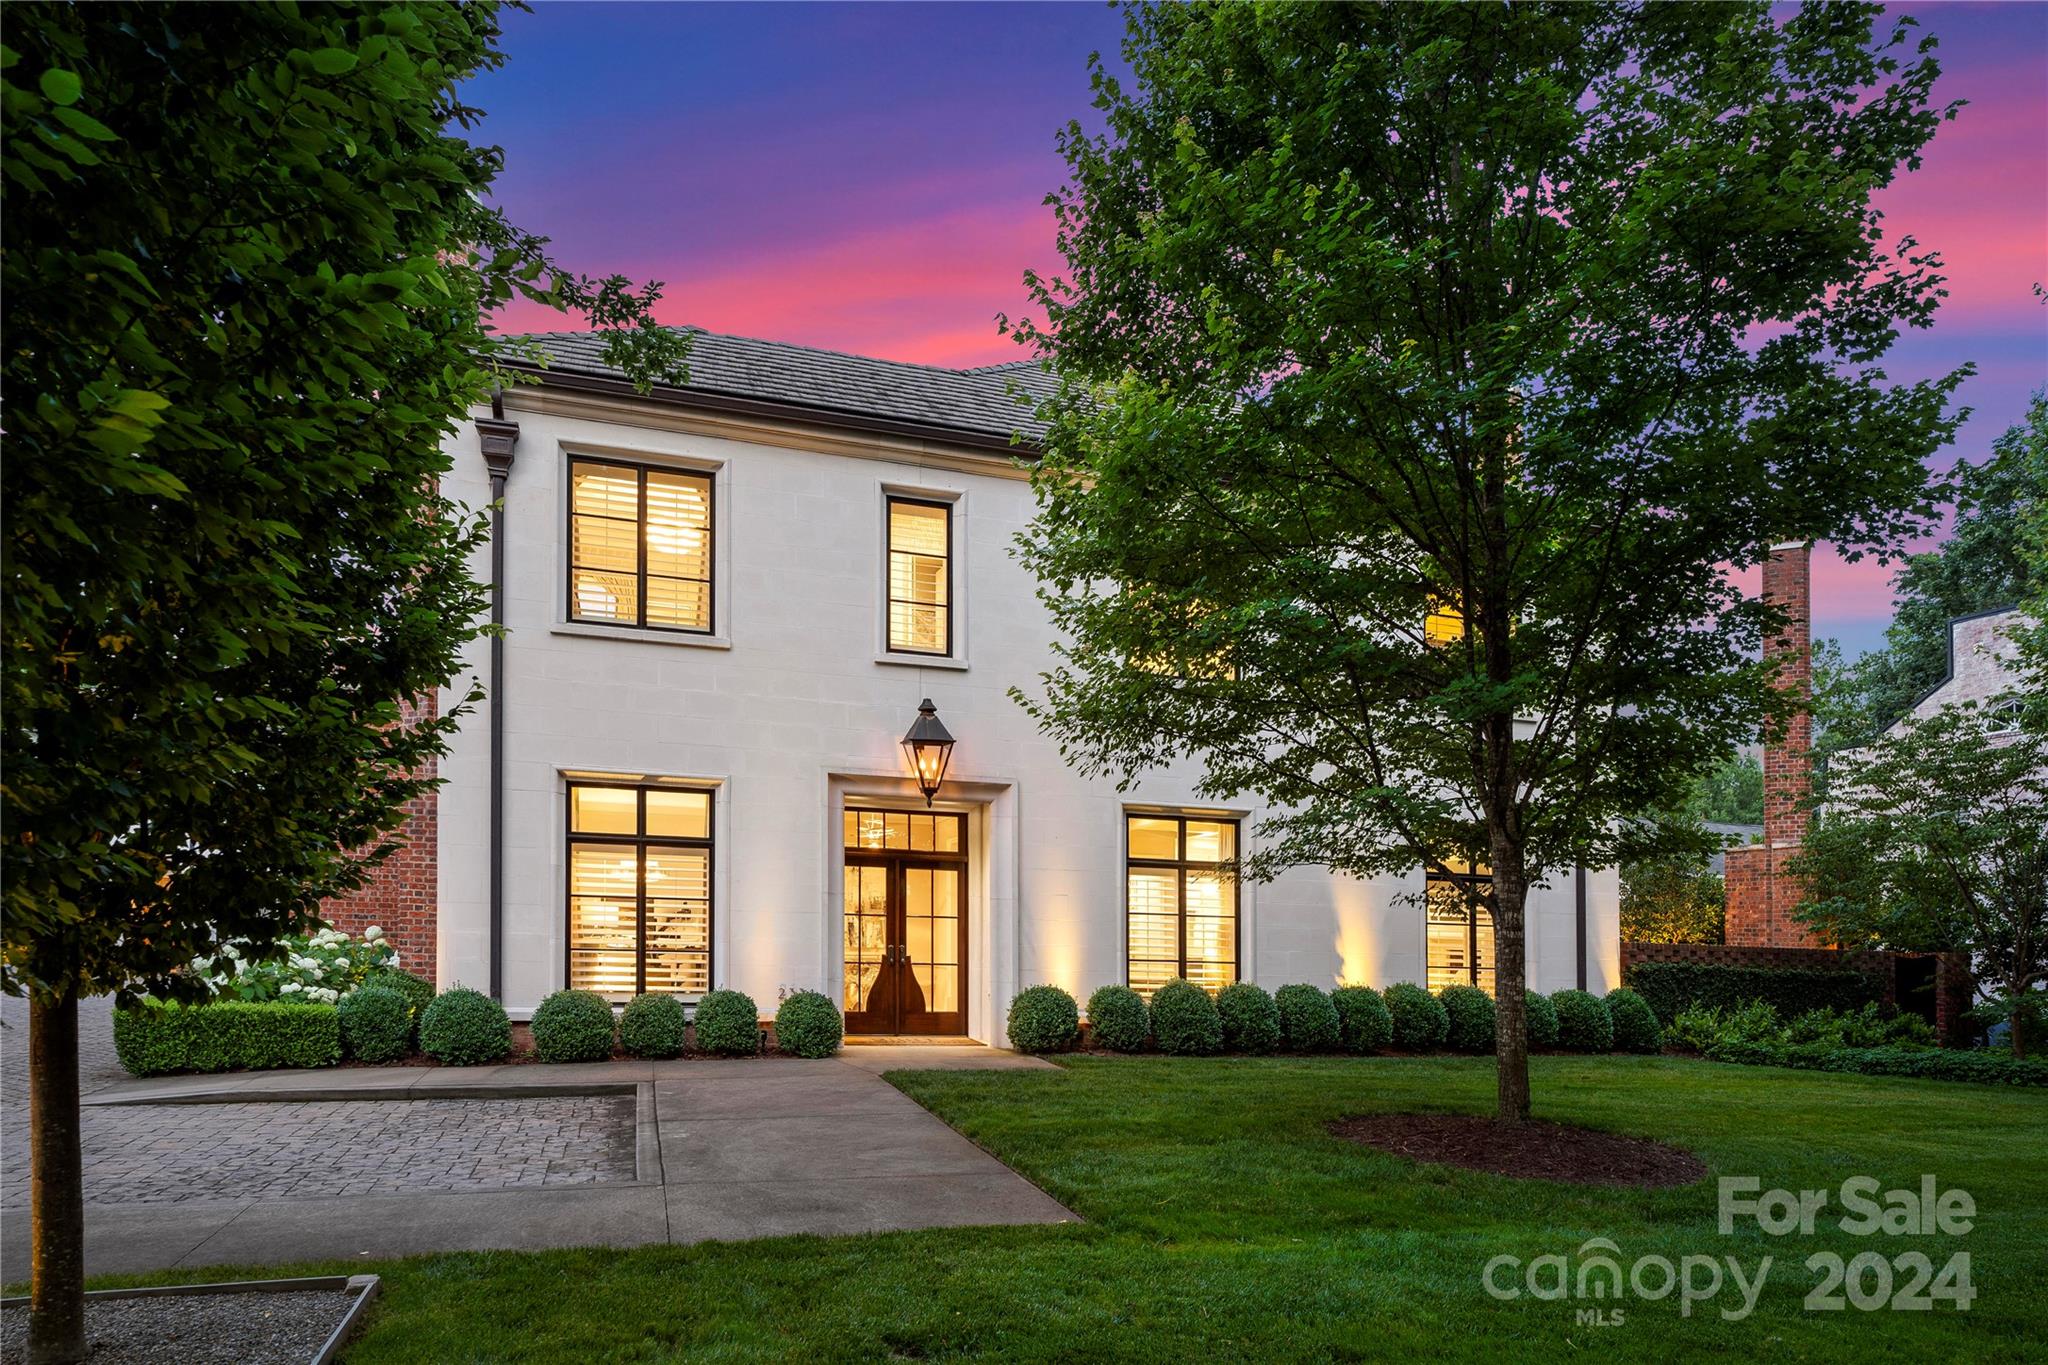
{"x": 987, "y": 400}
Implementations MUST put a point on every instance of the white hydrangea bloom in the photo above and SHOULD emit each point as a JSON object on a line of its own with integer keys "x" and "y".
{"x": 372, "y": 934}
{"x": 291, "y": 986}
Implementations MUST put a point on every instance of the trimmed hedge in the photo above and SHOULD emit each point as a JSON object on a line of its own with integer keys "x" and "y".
{"x": 376, "y": 1024}
{"x": 1669, "y": 987}
{"x": 808, "y": 1025}
{"x": 1250, "y": 1018}
{"x": 1539, "y": 1018}
{"x": 1470, "y": 1014}
{"x": 1363, "y": 1024}
{"x": 1308, "y": 1021}
{"x": 227, "y": 1035}
{"x": 418, "y": 993}
{"x": 1419, "y": 1019}
{"x": 1184, "y": 1020}
{"x": 465, "y": 1028}
{"x": 1635, "y": 1026}
{"x": 1044, "y": 1019}
{"x": 1583, "y": 1024}
{"x": 574, "y": 1026}
{"x": 728, "y": 1024}
{"x": 654, "y": 1026}
{"x": 1960, "y": 1064}
{"x": 1118, "y": 1019}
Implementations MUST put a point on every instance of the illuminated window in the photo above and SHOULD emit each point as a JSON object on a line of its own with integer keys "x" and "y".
{"x": 639, "y": 890}
{"x": 1460, "y": 929}
{"x": 1180, "y": 901}
{"x": 1444, "y": 625}
{"x": 639, "y": 546}
{"x": 920, "y": 577}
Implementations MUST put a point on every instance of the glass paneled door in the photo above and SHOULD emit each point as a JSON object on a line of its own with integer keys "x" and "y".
{"x": 905, "y": 911}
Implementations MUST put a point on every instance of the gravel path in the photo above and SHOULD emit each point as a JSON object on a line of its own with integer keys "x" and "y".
{"x": 197, "y": 1329}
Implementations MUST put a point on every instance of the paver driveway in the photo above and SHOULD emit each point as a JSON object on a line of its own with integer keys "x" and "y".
{"x": 706, "y": 1150}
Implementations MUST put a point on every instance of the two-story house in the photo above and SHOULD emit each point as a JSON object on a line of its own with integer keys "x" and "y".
{"x": 723, "y": 605}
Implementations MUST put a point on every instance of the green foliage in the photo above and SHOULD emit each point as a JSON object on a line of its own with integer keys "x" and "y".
{"x": 1860, "y": 1041}
{"x": 317, "y": 968}
{"x": 464, "y": 1027}
{"x": 654, "y": 1026}
{"x": 1274, "y": 450}
{"x": 1867, "y": 1027}
{"x": 1184, "y": 1020}
{"x": 1363, "y": 1024}
{"x": 1308, "y": 1021}
{"x": 1983, "y": 1068}
{"x": 1250, "y": 1018}
{"x": 1932, "y": 839}
{"x": 1118, "y": 1019}
{"x": 250, "y": 257}
{"x": 376, "y": 1024}
{"x": 155, "y": 1038}
{"x": 1583, "y": 1024}
{"x": 1420, "y": 1021}
{"x": 728, "y": 1024}
{"x": 1540, "y": 1020}
{"x": 418, "y": 992}
{"x": 1670, "y": 987}
{"x": 1635, "y": 1024}
{"x": 808, "y": 1025}
{"x": 1731, "y": 794}
{"x": 1044, "y": 1019}
{"x": 573, "y": 1026}
{"x": 1673, "y": 899}
{"x": 1469, "y": 1013}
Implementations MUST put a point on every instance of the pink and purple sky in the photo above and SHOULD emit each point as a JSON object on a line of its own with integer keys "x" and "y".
{"x": 869, "y": 177}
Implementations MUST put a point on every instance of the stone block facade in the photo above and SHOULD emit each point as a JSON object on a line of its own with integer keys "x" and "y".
{"x": 403, "y": 892}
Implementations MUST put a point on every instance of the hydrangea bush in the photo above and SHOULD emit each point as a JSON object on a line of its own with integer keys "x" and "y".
{"x": 317, "y": 968}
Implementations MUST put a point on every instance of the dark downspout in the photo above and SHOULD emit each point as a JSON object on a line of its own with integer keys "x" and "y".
{"x": 1580, "y": 888}
{"x": 498, "y": 437}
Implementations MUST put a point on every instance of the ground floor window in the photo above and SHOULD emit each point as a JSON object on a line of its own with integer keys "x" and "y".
{"x": 1460, "y": 929}
{"x": 1180, "y": 901}
{"x": 639, "y": 889}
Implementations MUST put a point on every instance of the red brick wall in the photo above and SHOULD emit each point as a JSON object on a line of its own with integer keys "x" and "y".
{"x": 1761, "y": 893}
{"x": 403, "y": 892}
{"x": 1953, "y": 988}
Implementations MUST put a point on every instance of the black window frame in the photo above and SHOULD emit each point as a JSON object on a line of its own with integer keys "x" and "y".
{"x": 639, "y": 843}
{"x": 1472, "y": 905}
{"x": 889, "y": 598}
{"x": 1181, "y": 864}
{"x": 640, "y": 472}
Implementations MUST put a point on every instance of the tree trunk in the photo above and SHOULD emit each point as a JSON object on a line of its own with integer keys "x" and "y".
{"x": 56, "y": 1323}
{"x": 1510, "y": 1017}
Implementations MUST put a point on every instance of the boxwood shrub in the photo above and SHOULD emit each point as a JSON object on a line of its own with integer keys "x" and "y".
{"x": 1118, "y": 1020}
{"x": 574, "y": 1026}
{"x": 1363, "y": 1024}
{"x": 728, "y": 1024}
{"x": 418, "y": 993}
{"x": 808, "y": 1025}
{"x": 1669, "y": 987}
{"x": 1469, "y": 1015}
{"x": 1539, "y": 1019}
{"x": 465, "y": 1028}
{"x": 1308, "y": 1021}
{"x": 654, "y": 1026}
{"x": 1420, "y": 1023}
{"x": 1583, "y": 1024}
{"x": 1044, "y": 1019}
{"x": 154, "y": 1038}
{"x": 376, "y": 1024}
{"x": 1250, "y": 1018}
{"x": 1635, "y": 1026}
{"x": 1184, "y": 1020}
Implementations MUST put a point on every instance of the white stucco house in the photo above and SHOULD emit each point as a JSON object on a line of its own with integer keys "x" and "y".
{"x": 723, "y": 605}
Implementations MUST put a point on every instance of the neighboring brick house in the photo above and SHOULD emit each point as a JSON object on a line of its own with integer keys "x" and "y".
{"x": 1983, "y": 661}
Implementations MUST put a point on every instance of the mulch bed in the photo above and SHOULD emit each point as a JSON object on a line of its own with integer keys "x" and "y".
{"x": 1528, "y": 1151}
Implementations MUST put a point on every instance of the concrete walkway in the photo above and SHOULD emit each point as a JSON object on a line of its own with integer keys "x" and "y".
{"x": 725, "y": 1150}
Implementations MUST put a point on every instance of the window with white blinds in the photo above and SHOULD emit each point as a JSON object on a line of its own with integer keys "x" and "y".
{"x": 640, "y": 546}
{"x": 920, "y": 577}
{"x": 1180, "y": 901}
{"x": 639, "y": 890}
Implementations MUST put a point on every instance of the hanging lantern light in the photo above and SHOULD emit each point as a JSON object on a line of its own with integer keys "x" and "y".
{"x": 929, "y": 747}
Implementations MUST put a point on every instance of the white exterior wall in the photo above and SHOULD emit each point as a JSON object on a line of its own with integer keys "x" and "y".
{"x": 789, "y": 712}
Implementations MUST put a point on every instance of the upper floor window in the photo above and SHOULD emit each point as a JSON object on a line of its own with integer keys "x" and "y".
{"x": 639, "y": 546}
{"x": 1180, "y": 901}
{"x": 1460, "y": 929}
{"x": 920, "y": 577}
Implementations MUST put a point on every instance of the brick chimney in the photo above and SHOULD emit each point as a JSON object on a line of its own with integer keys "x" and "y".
{"x": 1761, "y": 892}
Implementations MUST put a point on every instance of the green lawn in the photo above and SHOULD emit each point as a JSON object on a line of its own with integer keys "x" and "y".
{"x": 1223, "y": 1222}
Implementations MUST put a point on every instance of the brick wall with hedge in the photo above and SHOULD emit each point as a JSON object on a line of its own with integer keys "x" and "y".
{"x": 403, "y": 892}
{"x": 1953, "y": 987}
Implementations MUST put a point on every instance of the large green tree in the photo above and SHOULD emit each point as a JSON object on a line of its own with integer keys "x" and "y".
{"x": 1529, "y": 319}
{"x": 247, "y": 262}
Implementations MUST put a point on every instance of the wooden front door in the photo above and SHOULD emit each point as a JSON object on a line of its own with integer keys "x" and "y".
{"x": 905, "y": 909}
